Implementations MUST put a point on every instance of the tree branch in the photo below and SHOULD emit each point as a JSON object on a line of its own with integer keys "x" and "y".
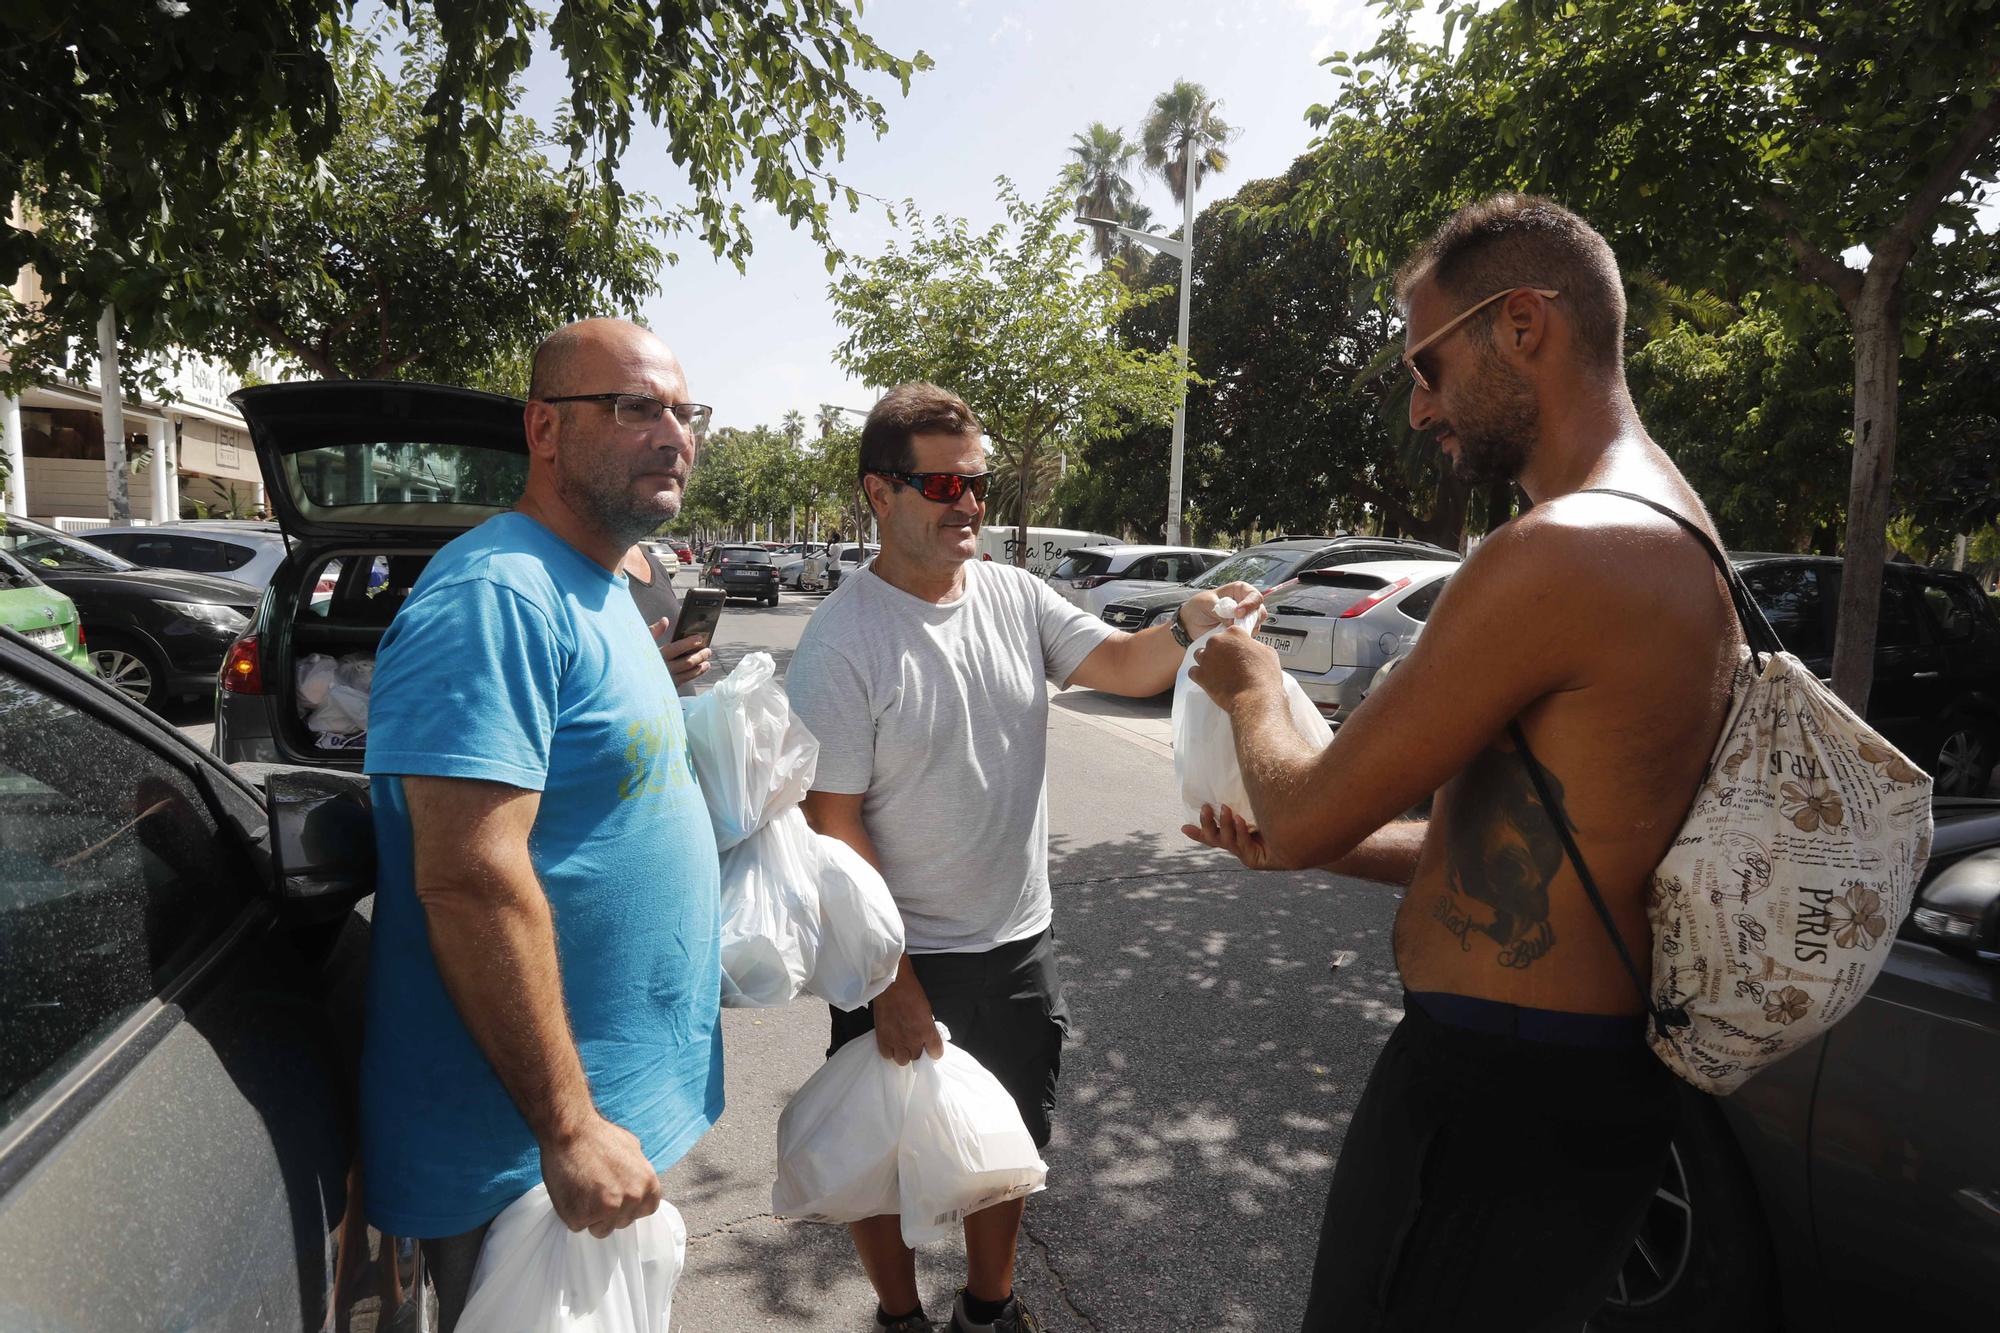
{"x": 1814, "y": 262}
{"x": 304, "y": 351}
{"x": 1895, "y": 249}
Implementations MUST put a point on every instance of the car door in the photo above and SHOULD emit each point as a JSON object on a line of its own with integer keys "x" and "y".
{"x": 1908, "y": 700}
{"x": 1795, "y": 600}
{"x": 1905, "y": 1152}
{"x": 174, "y": 1123}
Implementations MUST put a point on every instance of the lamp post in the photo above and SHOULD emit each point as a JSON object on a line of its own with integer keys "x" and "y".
{"x": 1183, "y": 250}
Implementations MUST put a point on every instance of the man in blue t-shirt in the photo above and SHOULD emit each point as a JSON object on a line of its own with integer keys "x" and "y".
{"x": 544, "y": 980}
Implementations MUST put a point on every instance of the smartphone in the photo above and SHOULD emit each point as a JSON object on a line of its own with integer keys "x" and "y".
{"x": 701, "y": 612}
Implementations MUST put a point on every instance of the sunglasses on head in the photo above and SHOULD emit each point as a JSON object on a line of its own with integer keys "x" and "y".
{"x": 943, "y": 487}
{"x": 1424, "y": 376}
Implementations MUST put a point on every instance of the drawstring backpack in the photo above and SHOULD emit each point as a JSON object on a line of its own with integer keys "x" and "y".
{"x": 1778, "y": 901}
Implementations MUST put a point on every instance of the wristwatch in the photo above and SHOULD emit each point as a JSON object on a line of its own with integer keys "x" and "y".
{"x": 1180, "y": 633}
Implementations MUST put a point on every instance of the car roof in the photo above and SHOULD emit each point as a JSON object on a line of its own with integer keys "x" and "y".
{"x": 1348, "y": 539}
{"x": 1145, "y": 550}
{"x": 1386, "y": 570}
{"x": 219, "y": 528}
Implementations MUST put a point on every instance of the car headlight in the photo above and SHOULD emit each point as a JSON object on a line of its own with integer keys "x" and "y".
{"x": 1162, "y": 616}
{"x": 211, "y": 613}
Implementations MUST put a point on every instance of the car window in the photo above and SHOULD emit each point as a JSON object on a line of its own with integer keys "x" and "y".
{"x": 1417, "y": 606}
{"x": 1086, "y": 564}
{"x": 745, "y": 555}
{"x": 113, "y": 875}
{"x": 1791, "y": 599}
{"x": 41, "y": 548}
{"x": 1898, "y": 626}
{"x": 1959, "y": 617}
{"x": 1146, "y": 567}
{"x": 1260, "y": 569}
{"x": 1329, "y": 596}
{"x": 15, "y": 576}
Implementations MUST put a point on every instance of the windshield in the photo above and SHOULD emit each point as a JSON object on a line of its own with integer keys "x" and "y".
{"x": 393, "y": 473}
{"x": 1257, "y": 570}
{"x": 745, "y": 555}
{"x": 40, "y": 548}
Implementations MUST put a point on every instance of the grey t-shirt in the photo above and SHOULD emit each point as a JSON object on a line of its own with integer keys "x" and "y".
{"x": 939, "y": 716}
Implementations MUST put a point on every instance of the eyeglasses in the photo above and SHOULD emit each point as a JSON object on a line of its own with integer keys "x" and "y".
{"x": 1428, "y": 383}
{"x": 637, "y": 411}
{"x": 943, "y": 487}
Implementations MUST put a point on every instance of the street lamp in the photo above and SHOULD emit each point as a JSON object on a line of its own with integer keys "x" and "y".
{"x": 1183, "y": 250}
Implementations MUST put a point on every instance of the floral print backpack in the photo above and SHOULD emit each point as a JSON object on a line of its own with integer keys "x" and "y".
{"x": 1779, "y": 899}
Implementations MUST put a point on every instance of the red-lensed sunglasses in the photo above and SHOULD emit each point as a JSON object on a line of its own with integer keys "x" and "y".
{"x": 943, "y": 487}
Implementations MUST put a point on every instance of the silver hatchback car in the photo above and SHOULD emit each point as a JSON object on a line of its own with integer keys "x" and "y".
{"x": 1335, "y": 628}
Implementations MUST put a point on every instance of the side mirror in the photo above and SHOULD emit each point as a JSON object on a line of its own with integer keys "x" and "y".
{"x": 1959, "y": 910}
{"x": 322, "y": 841}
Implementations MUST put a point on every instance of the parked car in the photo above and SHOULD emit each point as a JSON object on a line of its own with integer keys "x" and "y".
{"x": 244, "y": 551}
{"x": 180, "y": 990}
{"x": 353, "y": 560}
{"x": 1854, "y": 1185}
{"x": 1093, "y": 577}
{"x": 665, "y": 554}
{"x": 1265, "y": 566}
{"x": 1339, "y": 626}
{"x": 848, "y": 557}
{"x": 41, "y": 615}
{"x": 1936, "y": 694}
{"x": 742, "y": 571}
{"x": 792, "y": 567}
{"x": 682, "y": 551}
{"x": 154, "y": 634}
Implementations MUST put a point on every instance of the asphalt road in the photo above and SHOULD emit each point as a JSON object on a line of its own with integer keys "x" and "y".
{"x": 1213, "y": 1062}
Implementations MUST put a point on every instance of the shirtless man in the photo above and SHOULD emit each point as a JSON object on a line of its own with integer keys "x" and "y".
{"x": 1515, "y": 1125}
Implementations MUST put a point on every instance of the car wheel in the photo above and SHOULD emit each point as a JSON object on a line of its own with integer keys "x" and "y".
{"x": 1964, "y": 763}
{"x": 131, "y": 668}
{"x": 1702, "y": 1258}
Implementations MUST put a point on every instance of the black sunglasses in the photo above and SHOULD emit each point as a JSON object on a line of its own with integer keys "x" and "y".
{"x": 943, "y": 487}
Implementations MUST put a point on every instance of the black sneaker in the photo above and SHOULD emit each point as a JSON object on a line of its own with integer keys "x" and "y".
{"x": 914, "y": 1322}
{"x": 1014, "y": 1319}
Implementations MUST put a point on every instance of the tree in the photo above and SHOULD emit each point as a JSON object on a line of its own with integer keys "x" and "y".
{"x": 137, "y": 118}
{"x": 1185, "y": 129}
{"x": 348, "y": 273}
{"x": 1101, "y": 178}
{"x": 1739, "y": 145}
{"x": 1006, "y": 318}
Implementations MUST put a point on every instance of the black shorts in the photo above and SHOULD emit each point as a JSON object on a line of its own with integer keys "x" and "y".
{"x": 1496, "y": 1170}
{"x": 1005, "y": 1009}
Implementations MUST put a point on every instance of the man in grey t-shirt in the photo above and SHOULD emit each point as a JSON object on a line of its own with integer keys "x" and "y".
{"x": 923, "y": 677}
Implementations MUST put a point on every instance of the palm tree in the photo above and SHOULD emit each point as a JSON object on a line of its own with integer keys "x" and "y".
{"x": 1185, "y": 126}
{"x": 1129, "y": 257}
{"x": 827, "y": 419}
{"x": 793, "y": 427}
{"x": 1101, "y": 177}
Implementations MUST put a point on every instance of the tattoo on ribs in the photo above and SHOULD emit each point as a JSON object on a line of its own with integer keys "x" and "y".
{"x": 1501, "y": 854}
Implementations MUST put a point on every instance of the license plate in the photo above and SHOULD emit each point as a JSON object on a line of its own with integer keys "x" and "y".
{"x": 49, "y": 639}
{"x": 1285, "y": 644}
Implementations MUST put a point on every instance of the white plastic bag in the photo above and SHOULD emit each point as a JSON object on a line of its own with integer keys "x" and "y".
{"x": 838, "y": 1138}
{"x": 535, "y": 1275}
{"x": 770, "y": 913}
{"x": 934, "y": 1140}
{"x": 333, "y": 696}
{"x": 752, "y": 756}
{"x": 861, "y": 931}
{"x": 316, "y": 672}
{"x": 1205, "y": 740}
{"x": 964, "y": 1149}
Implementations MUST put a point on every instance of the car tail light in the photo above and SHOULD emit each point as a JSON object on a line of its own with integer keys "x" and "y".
{"x": 1374, "y": 599}
{"x": 1091, "y": 581}
{"x": 243, "y": 667}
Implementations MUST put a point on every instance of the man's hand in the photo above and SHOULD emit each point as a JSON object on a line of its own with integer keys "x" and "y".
{"x": 904, "y": 1025}
{"x": 1232, "y": 664}
{"x": 1232, "y": 833}
{"x": 1198, "y": 612}
{"x": 688, "y": 659}
{"x": 599, "y": 1178}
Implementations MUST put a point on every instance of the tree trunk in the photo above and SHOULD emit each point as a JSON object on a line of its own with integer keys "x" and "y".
{"x": 1877, "y": 322}
{"x": 1027, "y": 506}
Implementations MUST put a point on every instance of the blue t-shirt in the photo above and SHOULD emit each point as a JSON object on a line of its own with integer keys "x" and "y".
{"x": 519, "y": 660}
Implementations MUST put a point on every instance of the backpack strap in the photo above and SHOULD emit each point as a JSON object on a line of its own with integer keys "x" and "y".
{"x": 1663, "y": 1019}
{"x": 1757, "y": 631}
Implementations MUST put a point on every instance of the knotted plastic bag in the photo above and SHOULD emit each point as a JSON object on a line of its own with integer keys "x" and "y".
{"x": 1204, "y": 738}
{"x": 861, "y": 932}
{"x": 771, "y": 913}
{"x": 838, "y": 1138}
{"x": 752, "y": 756}
{"x": 535, "y": 1275}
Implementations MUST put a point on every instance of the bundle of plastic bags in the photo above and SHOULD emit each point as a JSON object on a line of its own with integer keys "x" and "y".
{"x": 333, "y": 695}
{"x": 801, "y": 913}
{"x": 535, "y": 1275}
{"x": 1205, "y": 740}
{"x": 934, "y": 1141}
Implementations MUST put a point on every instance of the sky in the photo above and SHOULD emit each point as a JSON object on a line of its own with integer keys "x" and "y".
{"x": 1014, "y": 80}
